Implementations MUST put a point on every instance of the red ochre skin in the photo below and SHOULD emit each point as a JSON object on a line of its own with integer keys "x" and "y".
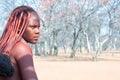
{"x": 18, "y": 49}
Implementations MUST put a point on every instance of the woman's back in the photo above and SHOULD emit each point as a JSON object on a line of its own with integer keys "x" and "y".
{"x": 21, "y": 58}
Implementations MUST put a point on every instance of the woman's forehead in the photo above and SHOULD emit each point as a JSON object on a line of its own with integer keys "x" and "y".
{"x": 34, "y": 19}
{"x": 34, "y": 16}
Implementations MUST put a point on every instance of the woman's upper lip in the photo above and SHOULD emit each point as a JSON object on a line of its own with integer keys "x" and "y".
{"x": 36, "y": 37}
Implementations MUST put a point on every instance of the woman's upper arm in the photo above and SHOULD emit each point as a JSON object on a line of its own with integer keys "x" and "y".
{"x": 25, "y": 63}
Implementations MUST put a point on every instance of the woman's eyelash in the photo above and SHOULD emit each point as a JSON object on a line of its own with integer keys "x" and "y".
{"x": 34, "y": 26}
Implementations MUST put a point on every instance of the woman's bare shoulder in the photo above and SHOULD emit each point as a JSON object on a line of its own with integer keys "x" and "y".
{"x": 21, "y": 49}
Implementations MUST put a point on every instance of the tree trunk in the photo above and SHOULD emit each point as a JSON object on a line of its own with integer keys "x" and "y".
{"x": 55, "y": 50}
{"x": 36, "y": 50}
{"x": 73, "y": 49}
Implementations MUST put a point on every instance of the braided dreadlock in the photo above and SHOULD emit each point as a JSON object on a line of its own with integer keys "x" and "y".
{"x": 14, "y": 29}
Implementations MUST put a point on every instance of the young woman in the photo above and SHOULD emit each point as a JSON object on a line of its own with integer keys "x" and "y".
{"x": 22, "y": 28}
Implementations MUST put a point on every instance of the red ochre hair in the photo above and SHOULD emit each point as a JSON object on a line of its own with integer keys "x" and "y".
{"x": 15, "y": 27}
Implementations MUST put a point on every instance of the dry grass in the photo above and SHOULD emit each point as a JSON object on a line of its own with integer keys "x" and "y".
{"x": 79, "y": 68}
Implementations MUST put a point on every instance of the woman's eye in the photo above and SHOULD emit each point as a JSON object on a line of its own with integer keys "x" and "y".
{"x": 32, "y": 27}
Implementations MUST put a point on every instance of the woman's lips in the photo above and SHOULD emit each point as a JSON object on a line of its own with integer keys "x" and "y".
{"x": 36, "y": 38}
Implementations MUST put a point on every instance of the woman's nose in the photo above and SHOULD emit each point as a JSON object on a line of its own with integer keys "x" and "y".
{"x": 37, "y": 31}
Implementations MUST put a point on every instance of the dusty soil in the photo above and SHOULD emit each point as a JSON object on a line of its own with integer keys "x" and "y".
{"x": 82, "y": 68}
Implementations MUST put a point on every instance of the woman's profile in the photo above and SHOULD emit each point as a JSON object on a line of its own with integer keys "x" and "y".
{"x": 21, "y": 28}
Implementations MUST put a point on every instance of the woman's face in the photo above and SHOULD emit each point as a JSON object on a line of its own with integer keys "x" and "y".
{"x": 31, "y": 33}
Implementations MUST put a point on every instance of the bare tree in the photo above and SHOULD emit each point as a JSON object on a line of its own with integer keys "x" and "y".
{"x": 112, "y": 8}
{"x": 84, "y": 12}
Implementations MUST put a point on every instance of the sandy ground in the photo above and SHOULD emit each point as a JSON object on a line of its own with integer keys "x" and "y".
{"x": 48, "y": 69}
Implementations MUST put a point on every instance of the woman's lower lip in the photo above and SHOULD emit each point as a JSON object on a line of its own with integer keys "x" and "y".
{"x": 35, "y": 38}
